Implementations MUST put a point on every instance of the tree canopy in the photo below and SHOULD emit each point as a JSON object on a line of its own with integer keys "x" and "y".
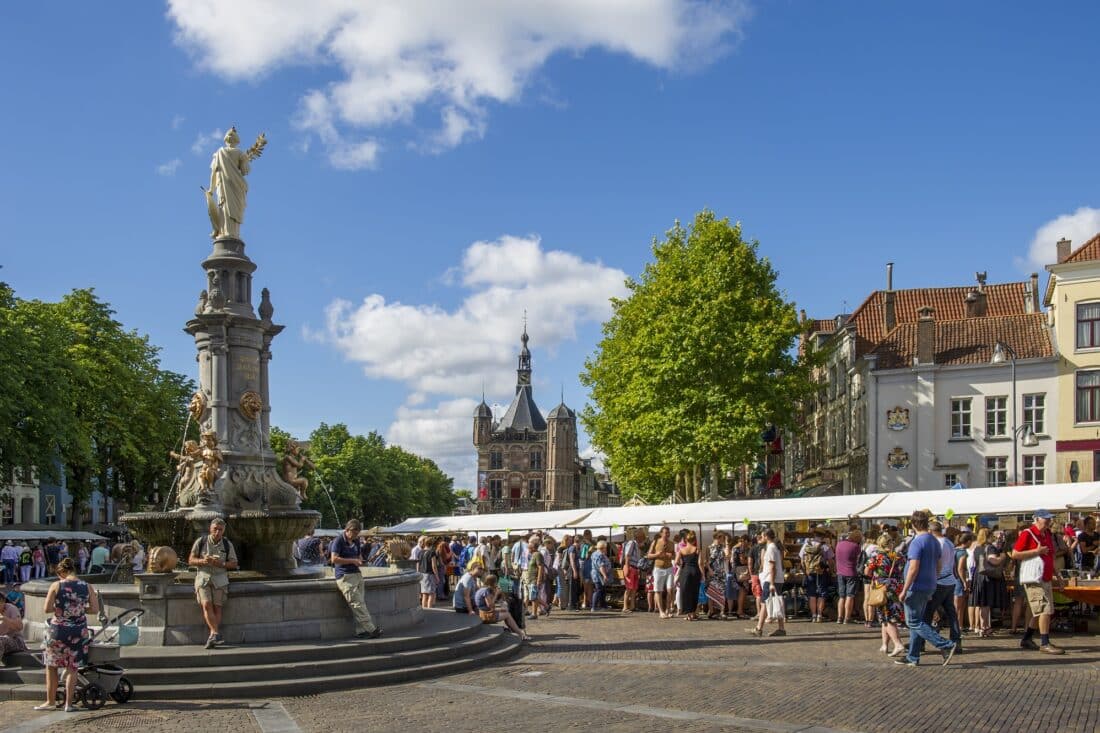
{"x": 695, "y": 361}
{"x": 361, "y": 476}
{"x": 78, "y": 390}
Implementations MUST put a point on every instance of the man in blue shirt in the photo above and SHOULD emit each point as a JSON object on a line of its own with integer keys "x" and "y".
{"x": 943, "y": 600}
{"x": 346, "y": 555}
{"x": 920, "y": 584}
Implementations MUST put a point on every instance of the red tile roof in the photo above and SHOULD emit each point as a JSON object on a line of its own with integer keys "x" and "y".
{"x": 1090, "y": 250}
{"x": 820, "y": 325}
{"x": 1003, "y": 299}
{"x": 968, "y": 340}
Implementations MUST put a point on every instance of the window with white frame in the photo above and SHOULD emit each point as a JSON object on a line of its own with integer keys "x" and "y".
{"x": 1088, "y": 325}
{"x": 996, "y": 471}
{"x": 1035, "y": 470}
{"x": 950, "y": 479}
{"x": 1088, "y": 396}
{"x": 1035, "y": 408}
{"x": 960, "y": 417}
{"x": 996, "y": 417}
{"x": 7, "y": 510}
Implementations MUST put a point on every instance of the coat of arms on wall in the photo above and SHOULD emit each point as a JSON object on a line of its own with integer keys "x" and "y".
{"x": 898, "y": 418}
{"x": 897, "y": 459}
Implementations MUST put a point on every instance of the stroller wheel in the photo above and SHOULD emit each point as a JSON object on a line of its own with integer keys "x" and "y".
{"x": 94, "y": 697}
{"x": 123, "y": 692}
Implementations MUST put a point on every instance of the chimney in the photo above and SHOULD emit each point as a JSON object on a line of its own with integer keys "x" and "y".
{"x": 891, "y": 318}
{"x": 1033, "y": 293}
{"x": 802, "y": 315}
{"x": 926, "y": 336}
{"x": 1063, "y": 249}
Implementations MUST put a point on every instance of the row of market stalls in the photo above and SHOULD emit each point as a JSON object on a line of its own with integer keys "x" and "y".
{"x": 25, "y": 535}
{"x": 737, "y": 515}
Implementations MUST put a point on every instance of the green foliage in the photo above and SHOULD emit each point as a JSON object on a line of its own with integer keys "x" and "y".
{"x": 80, "y": 389}
{"x": 695, "y": 361}
{"x": 464, "y": 494}
{"x": 368, "y": 479}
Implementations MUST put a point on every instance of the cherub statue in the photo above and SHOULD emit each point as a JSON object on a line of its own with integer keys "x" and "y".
{"x": 211, "y": 462}
{"x": 191, "y": 456}
{"x": 228, "y": 168}
{"x": 295, "y": 460}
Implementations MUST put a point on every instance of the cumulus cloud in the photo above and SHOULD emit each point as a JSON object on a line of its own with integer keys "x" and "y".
{"x": 451, "y": 354}
{"x": 207, "y": 142}
{"x": 1078, "y": 227}
{"x": 169, "y": 168}
{"x": 394, "y": 58}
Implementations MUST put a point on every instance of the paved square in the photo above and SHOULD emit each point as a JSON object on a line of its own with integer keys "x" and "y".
{"x": 611, "y": 672}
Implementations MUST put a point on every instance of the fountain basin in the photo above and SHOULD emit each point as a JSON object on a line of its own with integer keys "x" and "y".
{"x": 257, "y": 611}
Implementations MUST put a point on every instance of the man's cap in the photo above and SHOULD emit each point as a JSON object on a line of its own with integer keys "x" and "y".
{"x": 1043, "y": 514}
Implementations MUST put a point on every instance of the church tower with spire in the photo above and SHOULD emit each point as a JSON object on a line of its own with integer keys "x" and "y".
{"x": 525, "y": 462}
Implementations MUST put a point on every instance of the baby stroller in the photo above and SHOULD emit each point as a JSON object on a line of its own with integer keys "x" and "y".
{"x": 101, "y": 676}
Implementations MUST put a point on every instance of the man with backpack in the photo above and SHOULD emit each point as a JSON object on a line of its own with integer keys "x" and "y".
{"x": 214, "y": 556}
{"x": 816, "y": 557}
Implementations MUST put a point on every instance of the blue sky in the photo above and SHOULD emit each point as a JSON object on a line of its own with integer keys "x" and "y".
{"x": 431, "y": 173}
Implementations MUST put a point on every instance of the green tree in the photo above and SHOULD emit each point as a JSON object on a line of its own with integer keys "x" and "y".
{"x": 694, "y": 362}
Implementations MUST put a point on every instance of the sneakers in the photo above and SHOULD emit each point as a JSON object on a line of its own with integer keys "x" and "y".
{"x": 905, "y": 662}
{"x": 211, "y": 641}
{"x": 1028, "y": 644}
{"x": 369, "y": 634}
{"x": 778, "y": 632}
{"x": 218, "y": 640}
{"x": 947, "y": 654}
{"x": 1051, "y": 649}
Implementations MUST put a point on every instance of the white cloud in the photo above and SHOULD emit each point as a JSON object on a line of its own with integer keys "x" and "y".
{"x": 442, "y": 433}
{"x": 169, "y": 168}
{"x": 453, "y": 354}
{"x": 395, "y": 57}
{"x": 208, "y": 142}
{"x": 1078, "y": 227}
{"x": 177, "y": 122}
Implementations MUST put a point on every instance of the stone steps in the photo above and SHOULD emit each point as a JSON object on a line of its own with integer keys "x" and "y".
{"x": 451, "y": 643}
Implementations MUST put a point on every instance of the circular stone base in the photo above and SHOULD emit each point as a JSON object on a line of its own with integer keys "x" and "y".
{"x": 257, "y": 611}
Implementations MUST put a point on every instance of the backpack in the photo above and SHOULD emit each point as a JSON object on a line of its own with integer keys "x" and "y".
{"x": 861, "y": 564}
{"x": 424, "y": 564}
{"x": 25, "y": 557}
{"x": 205, "y": 546}
{"x": 466, "y": 556}
{"x": 814, "y": 558}
{"x": 585, "y": 550}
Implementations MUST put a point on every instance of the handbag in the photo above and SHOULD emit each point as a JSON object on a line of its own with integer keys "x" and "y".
{"x": 1031, "y": 570}
{"x": 876, "y": 597}
{"x": 776, "y": 608}
{"x": 488, "y": 617}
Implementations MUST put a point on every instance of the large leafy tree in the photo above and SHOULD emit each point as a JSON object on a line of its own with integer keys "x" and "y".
{"x": 361, "y": 476}
{"x": 694, "y": 362}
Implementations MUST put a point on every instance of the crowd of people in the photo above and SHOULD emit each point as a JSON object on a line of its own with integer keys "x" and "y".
{"x": 24, "y": 561}
{"x": 929, "y": 577}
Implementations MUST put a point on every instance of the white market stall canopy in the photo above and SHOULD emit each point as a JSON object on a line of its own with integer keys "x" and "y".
{"x": 40, "y": 535}
{"x": 499, "y": 523}
{"x": 998, "y": 500}
{"x": 962, "y": 502}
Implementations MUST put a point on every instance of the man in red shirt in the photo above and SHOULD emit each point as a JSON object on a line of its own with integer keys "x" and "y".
{"x": 1037, "y": 541}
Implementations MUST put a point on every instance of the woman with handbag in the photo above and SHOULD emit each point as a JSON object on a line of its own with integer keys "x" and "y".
{"x": 885, "y": 567}
{"x": 989, "y": 581}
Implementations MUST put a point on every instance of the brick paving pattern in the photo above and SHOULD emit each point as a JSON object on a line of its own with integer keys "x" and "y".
{"x": 610, "y": 672}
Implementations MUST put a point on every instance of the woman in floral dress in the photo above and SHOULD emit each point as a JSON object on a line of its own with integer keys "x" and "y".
{"x": 885, "y": 566}
{"x": 67, "y": 641}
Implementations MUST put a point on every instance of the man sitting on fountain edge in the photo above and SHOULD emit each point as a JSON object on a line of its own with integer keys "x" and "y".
{"x": 346, "y": 558}
{"x": 214, "y": 556}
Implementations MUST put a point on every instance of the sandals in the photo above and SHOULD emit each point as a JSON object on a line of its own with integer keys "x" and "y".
{"x": 45, "y": 706}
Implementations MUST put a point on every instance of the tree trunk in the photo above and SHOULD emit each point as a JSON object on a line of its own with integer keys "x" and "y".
{"x": 696, "y": 490}
{"x": 678, "y": 487}
{"x": 714, "y": 482}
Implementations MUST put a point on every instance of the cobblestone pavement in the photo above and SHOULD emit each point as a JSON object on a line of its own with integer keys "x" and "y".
{"x": 610, "y": 672}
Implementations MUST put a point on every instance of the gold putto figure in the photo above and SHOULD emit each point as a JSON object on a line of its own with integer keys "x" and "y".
{"x": 294, "y": 460}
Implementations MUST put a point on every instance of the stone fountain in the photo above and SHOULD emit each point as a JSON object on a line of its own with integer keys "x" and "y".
{"x": 232, "y": 472}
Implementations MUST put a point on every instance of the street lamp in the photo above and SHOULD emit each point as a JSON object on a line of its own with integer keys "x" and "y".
{"x": 1003, "y": 352}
